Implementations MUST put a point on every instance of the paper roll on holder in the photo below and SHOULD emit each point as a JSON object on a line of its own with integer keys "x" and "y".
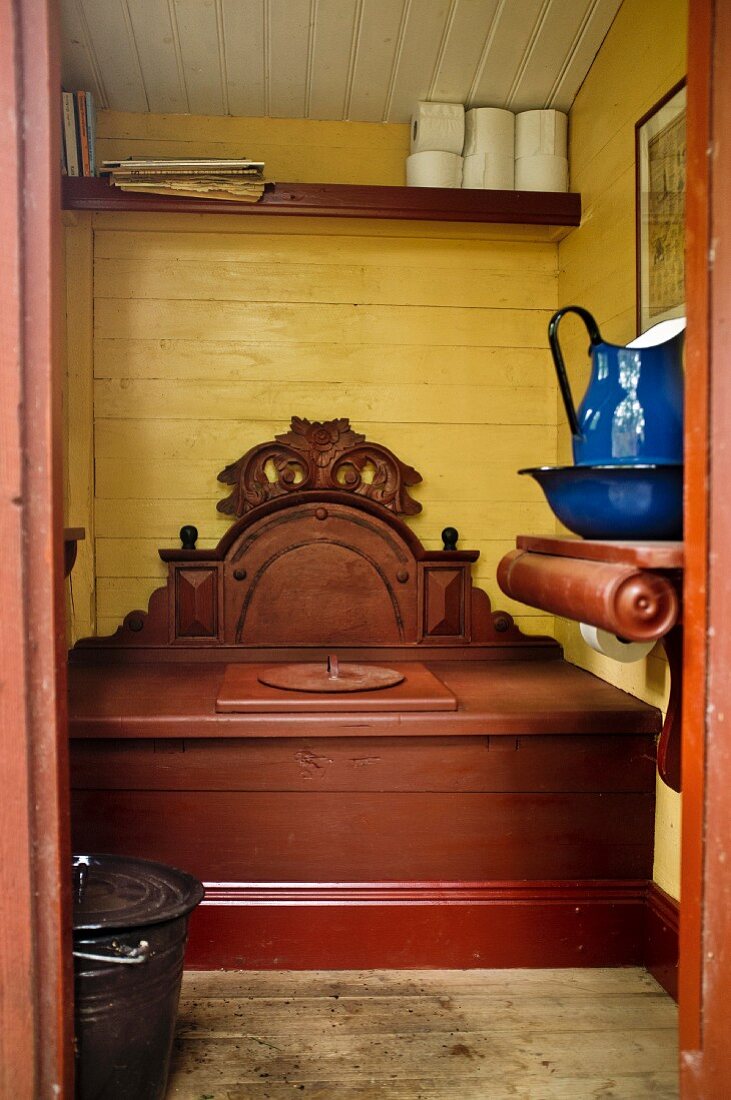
{"x": 612, "y": 646}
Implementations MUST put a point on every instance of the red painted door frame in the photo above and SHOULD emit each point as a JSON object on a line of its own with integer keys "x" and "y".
{"x": 35, "y": 988}
{"x": 35, "y": 956}
{"x": 705, "y": 954}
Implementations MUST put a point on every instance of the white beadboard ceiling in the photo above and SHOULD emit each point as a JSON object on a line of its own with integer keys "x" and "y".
{"x": 366, "y": 60}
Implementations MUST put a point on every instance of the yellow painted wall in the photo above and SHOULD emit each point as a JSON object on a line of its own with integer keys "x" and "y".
{"x": 209, "y": 332}
{"x": 79, "y": 419}
{"x": 294, "y": 150}
{"x": 643, "y": 56}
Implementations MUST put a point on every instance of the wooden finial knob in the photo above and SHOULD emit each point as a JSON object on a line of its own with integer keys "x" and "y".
{"x": 449, "y": 538}
{"x": 188, "y": 537}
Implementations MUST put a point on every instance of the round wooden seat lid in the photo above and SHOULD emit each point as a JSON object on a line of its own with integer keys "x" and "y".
{"x": 329, "y": 677}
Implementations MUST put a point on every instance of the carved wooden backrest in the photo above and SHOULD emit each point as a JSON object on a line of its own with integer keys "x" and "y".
{"x": 314, "y": 456}
{"x": 318, "y": 557}
{"x": 319, "y": 574}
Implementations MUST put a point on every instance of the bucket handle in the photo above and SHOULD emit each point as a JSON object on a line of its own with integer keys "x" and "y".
{"x": 563, "y": 380}
{"x": 128, "y": 956}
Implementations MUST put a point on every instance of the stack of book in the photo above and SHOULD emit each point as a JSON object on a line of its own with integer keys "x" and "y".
{"x": 239, "y": 180}
{"x": 78, "y": 130}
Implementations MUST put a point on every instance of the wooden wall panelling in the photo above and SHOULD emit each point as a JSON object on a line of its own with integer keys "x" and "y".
{"x": 440, "y": 337}
{"x": 488, "y": 764}
{"x": 133, "y": 257}
{"x": 304, "y": 149}
{"x": 79, "y": 409}
{"x": 351, "y": 836}
{"x": 291, "y": 321}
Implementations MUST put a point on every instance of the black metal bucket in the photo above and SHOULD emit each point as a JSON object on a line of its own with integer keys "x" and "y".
{"x": 130, "y": 931}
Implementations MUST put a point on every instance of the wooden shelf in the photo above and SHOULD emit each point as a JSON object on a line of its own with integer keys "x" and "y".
{"x": 645, "y": 555}
{"x": 628, "y": 588}
{"x": 336, "y": 200}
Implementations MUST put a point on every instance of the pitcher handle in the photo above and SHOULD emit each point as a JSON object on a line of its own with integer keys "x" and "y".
{"x": 563, "y": 380}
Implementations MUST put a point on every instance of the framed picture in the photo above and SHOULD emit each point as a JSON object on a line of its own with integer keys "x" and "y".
{"x": 660, "y": 210}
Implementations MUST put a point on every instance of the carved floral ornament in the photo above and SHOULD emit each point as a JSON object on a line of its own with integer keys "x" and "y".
{"x": 319, "y": 455}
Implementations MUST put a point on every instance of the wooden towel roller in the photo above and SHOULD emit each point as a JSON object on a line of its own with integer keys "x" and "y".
{"x": 633, "y": 603}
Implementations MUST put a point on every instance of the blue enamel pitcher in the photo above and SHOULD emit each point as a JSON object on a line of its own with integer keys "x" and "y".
{"x": 632, "y": 411}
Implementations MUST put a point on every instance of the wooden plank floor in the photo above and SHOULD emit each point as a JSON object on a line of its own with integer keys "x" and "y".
{"x": 436, "y": 1035}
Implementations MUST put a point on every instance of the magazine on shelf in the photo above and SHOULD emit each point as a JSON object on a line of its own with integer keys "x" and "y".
{"x": 78, "y": 130}
{"x": 69, "y": 134}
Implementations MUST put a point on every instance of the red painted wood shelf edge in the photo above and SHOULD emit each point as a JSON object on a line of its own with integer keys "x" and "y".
{"x": 645, "y": 555}
{"x": 339, "y": 200}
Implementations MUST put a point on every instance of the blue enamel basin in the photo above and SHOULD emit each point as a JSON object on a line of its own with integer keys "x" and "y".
{"x": 615, "y": 502}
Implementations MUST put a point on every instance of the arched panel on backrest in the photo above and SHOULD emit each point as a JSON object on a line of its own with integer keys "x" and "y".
{"x": 320, "y": 574}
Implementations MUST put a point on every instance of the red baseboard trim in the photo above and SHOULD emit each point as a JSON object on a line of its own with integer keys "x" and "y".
{"x": 662, "y": 921}
{"x": 313, "y": 926}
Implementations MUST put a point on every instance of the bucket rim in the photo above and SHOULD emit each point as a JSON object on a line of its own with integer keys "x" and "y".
{"x": 185, "y": 892}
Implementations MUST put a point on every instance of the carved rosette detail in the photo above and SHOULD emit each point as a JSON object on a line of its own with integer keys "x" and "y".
{"x": 319, "y": 455}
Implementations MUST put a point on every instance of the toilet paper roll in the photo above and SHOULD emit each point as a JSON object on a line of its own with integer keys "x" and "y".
{"x": 541, "y": 132}
{"x": 489, "y": 170}
{"x": 434, "y": 169}
{"x": 437, "y": 126}
{"x": 541, "y": 173}
{"x": 611, "y": 646}
{"x": 489, "y": 130}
